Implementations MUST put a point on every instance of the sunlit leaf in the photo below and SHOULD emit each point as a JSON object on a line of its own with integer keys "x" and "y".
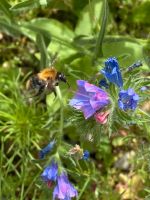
{"x": 89, "y": 20}
{"x": 28, "y": 4}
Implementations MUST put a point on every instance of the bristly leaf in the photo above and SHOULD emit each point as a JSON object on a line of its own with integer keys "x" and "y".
{"x": 11, "y": 29}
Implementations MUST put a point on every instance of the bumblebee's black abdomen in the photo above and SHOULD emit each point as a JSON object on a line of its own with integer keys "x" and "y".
{"x": 37, "y": 84}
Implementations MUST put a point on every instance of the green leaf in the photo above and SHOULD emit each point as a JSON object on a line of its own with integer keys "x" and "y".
{"x": 61, "y": 35}
{"x": 28, "y": 4}
{"x": 140, "y": 14}
{"x": 35, "y": 29}
{"x": 43, "y": 2}
{"x": 55, "y": 28}
{"x": 60, "y": 5}
{"x": 4, "y": 7}
{"x": 90, "y": 18}
{"x": 11, "y": 29}
{"x": 115, "y": 46}
{"x": 40, "y": 41}
{"x": 98, "y": 49}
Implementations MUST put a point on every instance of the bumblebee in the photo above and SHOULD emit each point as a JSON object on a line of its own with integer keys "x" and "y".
{"x": 44, "y": 82}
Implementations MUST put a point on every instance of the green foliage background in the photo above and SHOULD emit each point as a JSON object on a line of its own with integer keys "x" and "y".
{"x": 84, "y": 34}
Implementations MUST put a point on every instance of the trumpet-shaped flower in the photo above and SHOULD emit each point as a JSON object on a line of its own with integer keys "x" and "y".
{"x": 50, "y": 173}
{"x": 64, "y": 190}
{"x": 112, "y": 72}
{"x": 89, "y": 98}
{"x": 128, "y": 99}
{"x": 46, "y": 149}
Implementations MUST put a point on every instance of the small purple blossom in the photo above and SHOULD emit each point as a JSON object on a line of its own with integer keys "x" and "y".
{"x": 89, "y": 98}
{"x": 64, "y": 190}
{"x": 128, "y": 99}
{"x": 46, "y": 149}
{"x": 86, "y": 155}
{"x": 144, "y": 88}
{"x": 112, "y": 72}
{"x": 50, "y": 173}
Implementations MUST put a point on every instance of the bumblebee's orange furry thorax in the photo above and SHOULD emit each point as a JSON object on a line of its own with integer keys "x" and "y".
{"x": 48, "y": 73}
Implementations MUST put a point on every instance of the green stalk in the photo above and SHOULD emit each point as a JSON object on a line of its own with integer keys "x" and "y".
{"x": 1, "y": 163}
{"x": 84, "y": 187}
{"x": 61, "y": 126}
{"x": 22, "y": 186}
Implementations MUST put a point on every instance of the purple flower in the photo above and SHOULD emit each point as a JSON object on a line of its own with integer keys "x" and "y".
{"x": 128, "y": 99}
{"x": 50, "y": 173}
{"x": 112, "y": 72}
{"x": 144, "y": 88}
{"x": 64, "y": 190}
{"x": 89, "y": 98}
{"x": 46, "y": 149}
{"x": 86, "y": 155}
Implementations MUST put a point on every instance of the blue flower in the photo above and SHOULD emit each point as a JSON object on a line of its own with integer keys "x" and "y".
{"x": 50, "y": 173}
{"x": 103, "y": 83}
{"x": 89, "y": 98}
{"x": 86, "y": 155}
{"x": 46, "y": 149}
{"x": 64, "y": 190}
{"x": 128, "y": 99}
{"x": 112, "y": 72}
{"x": 144, "y": 88}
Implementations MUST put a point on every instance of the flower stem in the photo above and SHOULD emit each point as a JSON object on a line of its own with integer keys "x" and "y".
{"x": 1, "y": 163}
{"x": 61, "y": 125}
{"x": 84, "y": 187}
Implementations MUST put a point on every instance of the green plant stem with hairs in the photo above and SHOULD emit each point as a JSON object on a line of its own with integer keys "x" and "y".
{"x": 84, "y": 187}
{"x": 61, "y": 125}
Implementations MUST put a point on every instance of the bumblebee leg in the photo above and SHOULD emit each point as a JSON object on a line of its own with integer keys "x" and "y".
{"x": 54, "y": 91}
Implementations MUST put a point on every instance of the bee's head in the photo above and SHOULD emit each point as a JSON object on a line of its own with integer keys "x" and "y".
{"x": 61, "y": 77}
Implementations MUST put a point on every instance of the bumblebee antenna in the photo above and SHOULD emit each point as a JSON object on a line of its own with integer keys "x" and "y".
{"x": 68, "y": 84}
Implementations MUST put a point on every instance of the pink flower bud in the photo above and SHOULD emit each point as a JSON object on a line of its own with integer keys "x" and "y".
{"x": 101, "y": 117}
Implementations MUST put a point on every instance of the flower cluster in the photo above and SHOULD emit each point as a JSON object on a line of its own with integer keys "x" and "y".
{"x": 127, "y": 98}
{"x": 63, "y": 189}
{"x": 93, "y": 101}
